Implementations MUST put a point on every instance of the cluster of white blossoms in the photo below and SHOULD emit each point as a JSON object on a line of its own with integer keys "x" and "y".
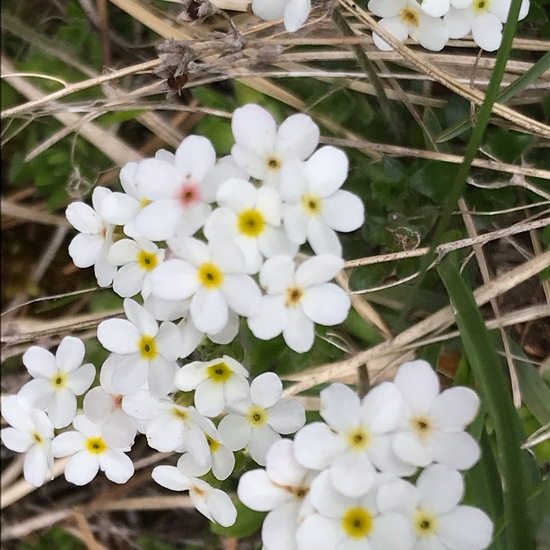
{"x": 342, "y": 483}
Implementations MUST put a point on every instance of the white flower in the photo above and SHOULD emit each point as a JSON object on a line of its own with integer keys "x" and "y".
{"x": 221, "y": 461}
{"x": 215, "y": 383}
{"x": 103, "y": 406}
{"x": 251, "y": 218}
{"x": 359, "y": 441}
{"x": 213, "y": 275}
{"x": 258, "y": 420}
{"x": 295, "y": 12}
{"x": 137, "y": 258}
{"x": 262, "y": 149}
{"x": 212, "y": 503}
{"x": 431, "y": 428}
{"x": 30, "y": 432}
{"x": 314, "y": 206}
{"x": 404, "y": 18}
{"x": 484, "y": 19}
{"x": 91, "y": 245}
{"x": 432, "y": 509}
{"x": 297, "y": 298}
{"x": 90, "y": 454}
{"x": 350, "y": 523}
{"x": 149, "y": 352}
{"x": 280, "y": 489}
{"x": 57, "y": 380}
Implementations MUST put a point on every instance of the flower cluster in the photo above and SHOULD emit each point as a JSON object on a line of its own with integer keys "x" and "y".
{"x": 341, "y": 483}
{"x": 432, "y": 23}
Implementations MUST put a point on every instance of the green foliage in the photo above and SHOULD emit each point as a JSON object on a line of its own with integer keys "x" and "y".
{"x": 247, "y": 523}
{"x": 54, "y": 538}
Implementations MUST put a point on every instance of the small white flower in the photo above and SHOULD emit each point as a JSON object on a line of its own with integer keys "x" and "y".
{"x": 297, "y": 298}
{"x": 404, "y": 18}
{"x": 91, "y": 454}
{"x": 30, "y": 432}
{"x": 212, "y": 503}
{"x": 215, "y": 383}
{"x": 251, "y": 218}
{"x": 258, "y": 420}
{"x": 57, "y": 379}
{"x": 212, "y": 275}
{"x": 281, "y": 490}
{"x": 431, "y": 428}
{"x": 91, "y": 245}
{"x": 433, "y": 511}
{"x": 149, "y": 351}
{"x": 262, "y": 149}
{"x": 295, "y": 12}
{"x": 314, "y": 206}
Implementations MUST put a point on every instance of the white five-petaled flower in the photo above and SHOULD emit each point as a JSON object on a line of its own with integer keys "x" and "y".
{"x": 294, "y": 12}
{"x": 215, "y": 383}
{"x": 258, "y": 419}
{"x": 350, "y": 523}
{"x": 212, "y": 503}
{"x": 149, "y": 351}
{"x": 314, "y": 205}
{"x": 432, "y": 424}
{"x": 57, "y": 379}
{"x": 432, "y": 508}
{"x": 212, "y": 275}
{"x": 404, "y": 18}
{"x": 30, "y": 432}
{"x": 251, "y": 218}
{"x": 357, "y": 440}
{"x": 297, "y": 298}
{"x": 262, "y": 149}
{"x": 91, "y": 245}
{"x": 281, "y": 489}
{"x": 91, "y": 453}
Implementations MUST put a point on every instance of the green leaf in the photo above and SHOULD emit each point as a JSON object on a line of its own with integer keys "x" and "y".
{"x": 247, "y": 523}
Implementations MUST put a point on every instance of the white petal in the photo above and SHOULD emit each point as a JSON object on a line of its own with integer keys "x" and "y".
{"x": 326, "y": 304}
{"x": 81, "y": 379}
{"x": 221, "y": 508}
{"x": 318, "y": 269}
{"x": 459, "y": 22}
{"x": 119, "y": 336}
{"x": 327, "y": 170}
{"x": 287, "y": 416}
{"x": 39, "y": 362}
{"x": 170, "y": 477}
{"x": 266, "y": 389}
{"x": 81, "y": 468}
{"x": 261, "y": 439}
{"x": 340, "y": 407}
{"x": 299, "y": 332}
{"x": 242, "y": 295}
{"x": 35, "y": 468}
{"x": 431, "y": 33}
{"x": 68, "y": 443}
{"x": 455, "y": 449}
{"x": 298, "y": 135}
{"x": 234, "y": 432}
{"x": 477, "y": 536}
{"x": 159, "y": 219}
{"x": 394, "y": 26}
{"x": 441, "y": 489}
{"x": 174, "y": 280}
{"x": 83, "y": 218}
{"x": 418, "y": 383}
{"x": 271, "y": 318}
{"x": 277, "y": 274}
{"x": 117, "y": 466}
{"x": 322, "y": 238}
{"x": 70, "y": 354}
{"x": 381, "y": 408}
{"x": 209, "y": 310}
{"x": 316, "y": 446}
{"x": 17, "y": 441}
{"x": 343, "y": 211}
{"x": 267, "y": 10}
{"x": 411, "y": 450}
{"x": 119, "y": 208}
{"x": 195, "y": 157}
{"x": 258, "y": 492}
{"x": 237, "y": 195}
{"x": 157, "y": 179}
{"x": 85, "y": 249}
{"x": 319, "y": 533}
{"x": 383, "y": 8}
{"x": 62, "y": 409}
{"x": 296, "y": 13}
{"x": 436, "y": 8}
{"x": 254, "y": 127}
{"x": 487, "y": 32}
{"x": 352, "y": 474}
{"x": 455, "y": 408}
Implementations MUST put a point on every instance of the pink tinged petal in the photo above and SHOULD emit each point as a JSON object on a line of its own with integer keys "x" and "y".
{"x": 327, "y": 170}
{"x": 168, "y": 341}
{"x": 381, "y": 408}
{"x": 37, "y": 393}
{"x": 209, "y": 399}
{"x": 174, "y": 280}
{"x": 81, "y": 468}
{"x": 253, "y": 127}
{"x": 40, "y": 362}
{"x": 298, "y": 135}
{"x": 326, "y": 304}
{"x": 170, "y": 478}
{"x": 83, "y": 218}
{"x": 277, "y": 274}
{"x": 271, "y": 318}
{"x": 117, "y": 466}
{"x": 35, "y": 467}
{"x": 234, "y": 432}
{"x": 394, "y": 26}
{"x": 129, "y": 280}
{"x": 195, "y": 157}
{"x": 299, "y": 331}
{"x": 258, "y": 492}
{"x": 287, "y": 416}
{"x": 318, "y": 269}
{"x": 455, "y": 408}
{"x": 316, "y": 446}
{"x": 319, "y": 533}
{"x": 237, "y": 195}
{"x": 419, "y": 385}
{"x": 459, "y": 22}
{"x": 282, "y": 466}
{"x": 343, "y": 211}
{"x": 119, "y": 336}
{"x": 70, "y": 354}
{"x": 124, "y": 252}
{"x": 242, "y": 295}
{"x": 16, "y": 440}
{"x": 352, "y": 474}
{"x": 81, "y": 379}
{"x": 296, "y": 13}
{"x": 161, "y": 376}
{"x": 322, "y": 238}
{"x": 409, "y": 449}
{"x": 266, "y": 389}
{"x": 62, "y": 409}
{"x": 431, "y": 33}
{"x": 392, "y": 531}
{"x": 209, "y": 310}
{"x": 130, "y": 374}
{"x": 435, "y": 8}
{"x": 159, "y": 219}
{"x": 440, "y": 488}
{"x": 119, "y": 208}
{"x": 279, "y": 527}
{"x": 455, "y": 449}
{"x": 261, "y": 439}
{"x": 68, "y": 443}
{"x": 452, "y": 530}
{"x": 487, "y": 32}
{"x": 383, "y": 8}
{"x": 340, "y": 407}
{"x": 16, "y": 414}
{"x": 157, "y": 179}
{"x": 84, "y": 249}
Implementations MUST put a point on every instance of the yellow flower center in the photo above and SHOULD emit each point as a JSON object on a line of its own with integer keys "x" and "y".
{"x": 96, "y": 445}
{"x": 293, "y": 296}
{"x": 147, "y": 260}
{"x": 37, "y": 438}
{"x": 481, "y": 6}
{"x": 311, "y": 204}
{"x": 357, "y": 523}
{"x": 409, "y": 16}
{"x": 179, "y": 413}
{"x": 251, "y": 223}
{"x": 144, "y": 202}
{"x": 358, "y": 438}
{"x": 148, "y": 347}
{"x": 425, "y": 524}
{"x": 59, "y": 380}
{"x": 219, "y": 373}
{"x": 422, "y": 426}
{"x": 210, "y": 276}
{"x": 257, "y": 416}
